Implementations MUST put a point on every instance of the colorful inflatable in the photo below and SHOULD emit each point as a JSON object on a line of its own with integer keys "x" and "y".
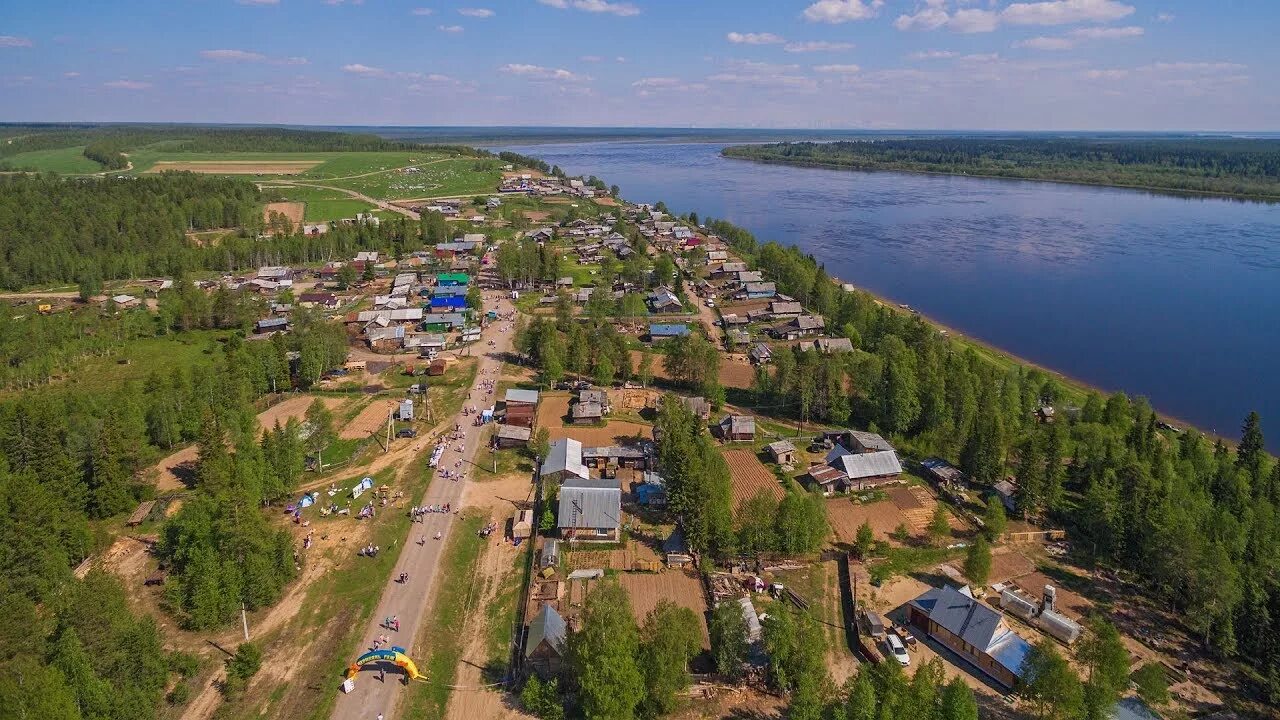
{"x": 394, "y": 655}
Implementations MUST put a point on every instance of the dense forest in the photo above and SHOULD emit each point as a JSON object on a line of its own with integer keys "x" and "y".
{"x": 107, "y": 144}
{"x": 1194, "y": 523}
{"x": 72, "y": 454}
{"x": 1243, "y": 167}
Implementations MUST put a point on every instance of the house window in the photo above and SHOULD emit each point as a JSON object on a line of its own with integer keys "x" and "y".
{"x": 602, "y": 532}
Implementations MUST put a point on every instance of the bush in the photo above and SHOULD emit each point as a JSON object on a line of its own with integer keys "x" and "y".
{"x": 180, "y": 694}
{"x": 542, "y": 698}
{"x": 1153, "y": 686}
{"x": 246, "y": 663}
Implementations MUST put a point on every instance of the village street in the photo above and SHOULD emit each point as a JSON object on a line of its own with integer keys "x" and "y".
{"x": 410, "y": 601}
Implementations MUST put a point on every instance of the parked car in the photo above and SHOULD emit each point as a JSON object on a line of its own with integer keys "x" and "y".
{"x": 407, "y": 433}
{"x": 897, "y": 650}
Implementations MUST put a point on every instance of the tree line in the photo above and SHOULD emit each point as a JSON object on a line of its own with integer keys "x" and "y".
{"x": 1194, "y": 522}
{"x": 1236, "y": 166}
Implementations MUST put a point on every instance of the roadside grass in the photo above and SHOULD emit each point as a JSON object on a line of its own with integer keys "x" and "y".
{"x": 501, "y": 615}
{"x": 906, "y": 560}
{"x": 443, "y": 630}
{"x": 69, "y": 160}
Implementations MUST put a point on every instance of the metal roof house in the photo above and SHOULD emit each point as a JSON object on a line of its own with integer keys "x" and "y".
{"x": 516, "y": 396}
{"x": 972, "y": 630}
{"x": 545, "y": 641}
{"x": 659, "y": 331}
{"x": 564, "y": 461}
{"x": 738, "y": 428}
{"x": 590, "y": 510}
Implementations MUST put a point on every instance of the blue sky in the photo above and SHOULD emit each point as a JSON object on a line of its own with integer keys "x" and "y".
{"x": 947, "y": 64}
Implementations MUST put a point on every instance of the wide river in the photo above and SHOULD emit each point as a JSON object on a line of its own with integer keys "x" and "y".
{"x": 1172, "y": 297}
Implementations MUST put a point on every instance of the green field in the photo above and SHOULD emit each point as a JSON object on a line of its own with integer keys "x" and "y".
{"x": 318, "y": 210}
{"x": 69, "y": 160}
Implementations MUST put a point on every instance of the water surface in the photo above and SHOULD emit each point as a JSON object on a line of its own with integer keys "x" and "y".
{"x": 1173, "y": 297}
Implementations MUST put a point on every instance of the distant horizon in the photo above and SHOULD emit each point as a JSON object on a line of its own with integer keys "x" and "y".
{"x": 677, "y": 128}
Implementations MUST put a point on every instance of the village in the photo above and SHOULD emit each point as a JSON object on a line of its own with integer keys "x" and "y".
{"x": 567, "y": 479}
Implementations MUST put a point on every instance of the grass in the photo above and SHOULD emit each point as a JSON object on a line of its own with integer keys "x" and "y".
{"x": 69, "y": 160}
{"x": 501, "y": 614}
{"x": 906, "y": 560}
{"x": 449, "y": 610}
{"x": 454, "y": 176}
{"x": 319, "y": 210}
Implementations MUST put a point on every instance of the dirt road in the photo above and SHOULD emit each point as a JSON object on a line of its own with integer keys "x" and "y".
{"x": 409, "y": 601}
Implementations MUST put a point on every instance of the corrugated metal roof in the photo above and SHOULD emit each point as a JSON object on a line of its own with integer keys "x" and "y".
{"x": 590, "y": 504}
{"x": 870, "y": 440}
{"x": 752, "y": 620}
{"x": 547, "y": 625}
{"x": 516, "y": 395}
{"x": 865, "y": 465}
{"x": 668, "y": 329}
{"x": 565, "y": 455}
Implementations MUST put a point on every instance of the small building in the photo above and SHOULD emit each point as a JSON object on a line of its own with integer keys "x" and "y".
{"x": 452, "y": 279}
{"x": 738, "y": 428}
{"x": 972, "y": 630}
{"x": 516, "y": 396}
{"x": 699, "y": 407}
{"x": 564, "y": 462}
{"x": 271, "y": 324}
{"x": 587, "y": 413}
{"x": 676, "y": 550}
{"x": 783, "y": 452}
{"x": 663, "y": 300}
{"x": 761, "y": 354}
{"x": 441, "y": 322}
{"x": 831, "y": 346}
{"x": 328, "y": 301}
{"x": 511, "y": 436}
{"x": 616, "y": 456}
{"x": 1007, "y": 491}
{"x": 521, "y": 415}
{"x": 405, "y": 412}
{"x": 599, "y": 397}
{"x": 522, "y": 525}
{"x": 126, "y": 302}
{"x": 760, "y": 290}
{"x": 544, "y": 644}
{"x": 784, "y": 310}
{"x": 662, "y": 331}
{"x": 590, "y": 509}
{"x": 799, "y": 327}
{"x": 943, "y": 472}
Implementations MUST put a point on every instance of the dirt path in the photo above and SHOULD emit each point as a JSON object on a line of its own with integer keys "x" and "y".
{"x": 421, "y": 558}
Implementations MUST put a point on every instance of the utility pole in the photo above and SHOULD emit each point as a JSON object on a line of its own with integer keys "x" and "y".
{"x": 244, "y": 620}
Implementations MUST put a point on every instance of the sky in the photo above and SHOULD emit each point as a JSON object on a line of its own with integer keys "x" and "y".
{"x": 811, "y": 64}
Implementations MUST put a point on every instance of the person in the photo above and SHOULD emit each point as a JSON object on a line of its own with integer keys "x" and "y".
{"x": 422, "y": 540}
{"x": 437, "y": 534}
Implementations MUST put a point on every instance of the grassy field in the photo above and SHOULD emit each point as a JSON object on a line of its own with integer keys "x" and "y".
{"x": 59, "y": 160}
{"x": 455, "y": 176}
{"x": 448, "y": 615}
{"x": 318, "y": 210}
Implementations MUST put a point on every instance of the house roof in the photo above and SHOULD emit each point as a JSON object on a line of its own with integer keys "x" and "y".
{"x": 590, "y": 503}
{"x": 448, "y": 318}
{"x": 565, "y": 455}
{"x": 753, "y": 621}
{"x": 587, "y": 410}
{"x": 547, "y": 625}
{"x": 593, "y": 396}
{"x": 667, "y": 330}
{"x": 864, "y": 465}
{"x": 976, "y": 624}
{"x": 514, "y": 432}
{"x": 785, "y": 308}
{"x": 870, "y": 440}
{"x": 781, "y": 447}
{"x": 808, "y": 322}
{"x": 737, "y": 424}
{"x": 831, "y": 345}
{"x": 762, "y": 287}
{"x": 516, "y": 395}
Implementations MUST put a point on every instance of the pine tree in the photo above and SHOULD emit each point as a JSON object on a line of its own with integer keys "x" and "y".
{"x": 603, "y": 655}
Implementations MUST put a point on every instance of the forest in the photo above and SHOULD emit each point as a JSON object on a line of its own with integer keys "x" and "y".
{"x": 1237, "y": 167}
{"x": 71, "y": 456}
{"x": 1194, "y": 522}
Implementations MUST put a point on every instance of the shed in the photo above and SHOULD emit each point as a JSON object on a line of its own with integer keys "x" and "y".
{"x": 544, "y": 644}
{"x": 522, "y": 524}
{"x": 406, "y": 410}
{"x": 738, "y": 428}
{"x": 782, "y": 451}
{"x": 510, "y": 436}
{"x": 517, "y": 396}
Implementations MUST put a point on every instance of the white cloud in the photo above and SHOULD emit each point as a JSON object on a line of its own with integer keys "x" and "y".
{"x": 537, "y": 72}
{"x": 1165, "y": 17}
{"x": 452, "y": 29}
{"x": 925, "y": 19}
{"x": 971, "y": 20}
{"x": 932, "y": 55}
{"x": 1065, "y": 12}
{"x": 127, "y": 85}
{"x": 1106, "y": 33}
{"x": 1046, "y": 43}
{"x": 841, "y": 11}
{"x": 591, "y": 58}
{"x": 621, "y": 9}
{"x": 258, "y": 2}
{"x": 817, "y": 46}
{"x": 1106, "y": 74}
{"x": 476, "y": 12}
{"x": 965, "y": 20}
{"x": 359, "y": 69}
{"x": 422, "y": 11}
{"x": 750, "y": 72}
{"x": 754, "y": 38}
{"x": 236, "y": 55}
{"x": 71, "y": 74}
{"x": 837, "y": 69}
{"x": 648, "y": 86}
{"x": 1192, "y": 66}
{"x": 980, "y": 58}
{"x": 13, "y": 41}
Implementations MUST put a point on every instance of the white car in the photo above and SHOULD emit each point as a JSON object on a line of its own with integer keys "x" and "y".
{"x": 711, "y": 303}
{"x": 897, "y": 650}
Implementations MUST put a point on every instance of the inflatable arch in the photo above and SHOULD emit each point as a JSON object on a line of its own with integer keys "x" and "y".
{"x": 394, "y": 655}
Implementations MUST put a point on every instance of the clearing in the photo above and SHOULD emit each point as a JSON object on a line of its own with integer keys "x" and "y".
{"x": 295, "y": 408}
{"x": 735, "y": 370}
{"x": 750, "y": 476}
{"x": 291, "y": 210}
{"x": 615, "y": 432}
{"x": 235, "y": 167}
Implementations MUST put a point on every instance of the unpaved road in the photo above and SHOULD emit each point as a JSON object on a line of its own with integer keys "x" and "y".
{"x": 410, "y": 601}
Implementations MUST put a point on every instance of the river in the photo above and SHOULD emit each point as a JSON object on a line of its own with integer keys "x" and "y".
{"x": 1173, "y": 297}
